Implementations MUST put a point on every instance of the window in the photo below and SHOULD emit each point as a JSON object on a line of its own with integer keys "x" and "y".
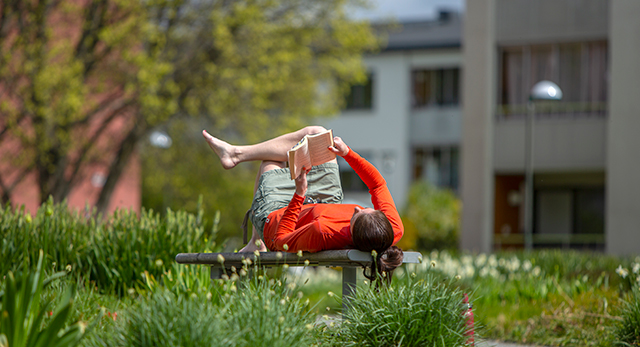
{"x": 589, "y": 211}
{"x": 360, "y": 96}
{"x": 435, "y": 87}
{"x": 577, "y": 213}
{"x": 579, "y": 69}
{"x": 437, "y": 165}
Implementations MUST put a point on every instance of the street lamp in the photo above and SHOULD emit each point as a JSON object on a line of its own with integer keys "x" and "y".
{"x": 548, "y": 91}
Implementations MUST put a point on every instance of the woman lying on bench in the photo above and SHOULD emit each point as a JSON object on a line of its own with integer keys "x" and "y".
{"x": 307, "y": 214}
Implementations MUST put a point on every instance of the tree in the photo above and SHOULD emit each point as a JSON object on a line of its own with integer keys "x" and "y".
{"x": 82, "y": 82}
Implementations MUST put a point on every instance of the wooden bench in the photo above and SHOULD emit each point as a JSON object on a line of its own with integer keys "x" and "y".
{"x": 348, "y": 259}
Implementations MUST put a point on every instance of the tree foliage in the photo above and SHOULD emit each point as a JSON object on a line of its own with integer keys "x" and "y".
{"x": 83, "y": 82}
{"x": 175, "y": 177}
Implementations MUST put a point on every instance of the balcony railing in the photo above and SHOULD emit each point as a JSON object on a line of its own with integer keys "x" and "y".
{"x": 554, "y": 110}
{"x": 550, "y": 240}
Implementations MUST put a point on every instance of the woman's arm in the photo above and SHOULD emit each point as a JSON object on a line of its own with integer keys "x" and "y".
{"x": 380, "y": 195}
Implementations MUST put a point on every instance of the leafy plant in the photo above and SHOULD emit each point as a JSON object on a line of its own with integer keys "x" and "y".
{"x": 23, "y": 312}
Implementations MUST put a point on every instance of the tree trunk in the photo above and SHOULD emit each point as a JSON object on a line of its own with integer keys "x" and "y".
{"x": 118, "y": 166}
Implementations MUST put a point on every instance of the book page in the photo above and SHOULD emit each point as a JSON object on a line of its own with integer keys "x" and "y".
{"x": 298, "y": 160}
{"x": 318, "y": 144}
{"x": 299, "y": 157}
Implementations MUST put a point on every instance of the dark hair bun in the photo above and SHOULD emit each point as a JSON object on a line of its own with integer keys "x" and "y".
{"x": 390, "y": 259}
{"x": 385, "y": 263}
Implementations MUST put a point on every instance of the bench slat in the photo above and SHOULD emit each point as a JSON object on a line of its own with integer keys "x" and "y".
{"x": 342, "y": 257}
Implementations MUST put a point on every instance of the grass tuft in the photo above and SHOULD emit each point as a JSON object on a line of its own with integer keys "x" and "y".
{"x": 425, "y": 312}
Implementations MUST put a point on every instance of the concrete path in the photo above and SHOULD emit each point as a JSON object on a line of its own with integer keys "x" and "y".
{"x": 502, "y": 344}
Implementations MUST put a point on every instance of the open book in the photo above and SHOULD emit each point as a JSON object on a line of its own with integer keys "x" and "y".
{"x": 310, "y": 151}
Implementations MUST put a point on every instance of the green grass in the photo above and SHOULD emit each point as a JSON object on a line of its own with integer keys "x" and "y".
{"x": 548, "y": 297}
{"x": 112, "y": 253}
{"x": 122, "y": 269}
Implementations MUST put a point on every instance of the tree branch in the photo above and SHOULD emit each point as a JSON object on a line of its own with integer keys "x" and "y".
{"x": 94, "y": 19}
{"x": 99, "y": 108}
{"x": 92, "y": 141}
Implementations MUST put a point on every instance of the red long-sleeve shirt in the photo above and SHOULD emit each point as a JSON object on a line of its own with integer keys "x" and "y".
{"x": 318, "y": 227}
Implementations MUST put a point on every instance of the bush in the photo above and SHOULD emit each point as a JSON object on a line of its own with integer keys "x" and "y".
{"x": 431, "y": 218}
{"x": 416, "y": 313}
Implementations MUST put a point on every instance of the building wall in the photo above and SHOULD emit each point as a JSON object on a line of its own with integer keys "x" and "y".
{"x": 478, "y": 105}
{"x": 551, "y": 20}
{"x": 573, "y": 156}
{"x": 558, "y": 144}
{"x": 127, "y": 193}
{"x": 623, "y": 142}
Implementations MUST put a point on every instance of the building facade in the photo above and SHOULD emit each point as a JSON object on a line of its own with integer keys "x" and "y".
{"x": 584, "y": 164}
{"x": 406, "y": 119}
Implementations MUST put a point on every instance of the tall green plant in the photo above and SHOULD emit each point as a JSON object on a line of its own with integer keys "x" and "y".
{"x": 627, "y": 331}
{"x": 269, "y": 312}
{"x": 167, "y": 319}
{"x": 426, "y": 312}
{"x": 191, "y": 310}
{"x": 112, "y": 252}
{"x": 23, "y": 312}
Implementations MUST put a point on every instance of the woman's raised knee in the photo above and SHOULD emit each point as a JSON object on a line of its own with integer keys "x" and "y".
{"x": 313, "y": 129}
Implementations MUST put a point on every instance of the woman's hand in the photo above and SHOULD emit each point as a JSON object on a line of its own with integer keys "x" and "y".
{"x": 301, "y": 182}
{"x": 339, "y": 147}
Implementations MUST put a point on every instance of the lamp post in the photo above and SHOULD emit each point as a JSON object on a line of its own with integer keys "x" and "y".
{"x": 543, "y": 90}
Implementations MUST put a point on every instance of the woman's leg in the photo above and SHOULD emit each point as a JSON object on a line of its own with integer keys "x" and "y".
{"x": 256, "y": 243}
{"x": 272, "y": 150}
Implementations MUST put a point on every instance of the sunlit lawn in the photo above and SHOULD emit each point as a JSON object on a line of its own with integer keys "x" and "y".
{"x": 125, "y": 266}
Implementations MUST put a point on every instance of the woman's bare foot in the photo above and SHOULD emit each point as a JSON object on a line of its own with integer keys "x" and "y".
{"x": 226, "y": 152}
{"x": 253, "y": 246}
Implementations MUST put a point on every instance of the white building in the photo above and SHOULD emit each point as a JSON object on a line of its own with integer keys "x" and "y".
{"x": 407, "y": 119}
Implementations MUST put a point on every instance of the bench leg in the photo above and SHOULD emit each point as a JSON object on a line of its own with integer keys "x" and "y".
{"x": 349, "y": 276}
{"x": 216, "y": 272}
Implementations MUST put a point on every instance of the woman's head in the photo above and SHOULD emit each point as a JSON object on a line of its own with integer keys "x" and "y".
{"x": 372, "y": 231}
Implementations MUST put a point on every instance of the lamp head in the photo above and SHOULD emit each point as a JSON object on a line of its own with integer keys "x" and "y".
{"x": 545, "y": 90}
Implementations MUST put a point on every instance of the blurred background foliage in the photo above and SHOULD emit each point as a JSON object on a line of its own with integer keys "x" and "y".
{"x": 85, "y": 82}
{"x": 431, "y": 218}
{"x": 173, "y": 178}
